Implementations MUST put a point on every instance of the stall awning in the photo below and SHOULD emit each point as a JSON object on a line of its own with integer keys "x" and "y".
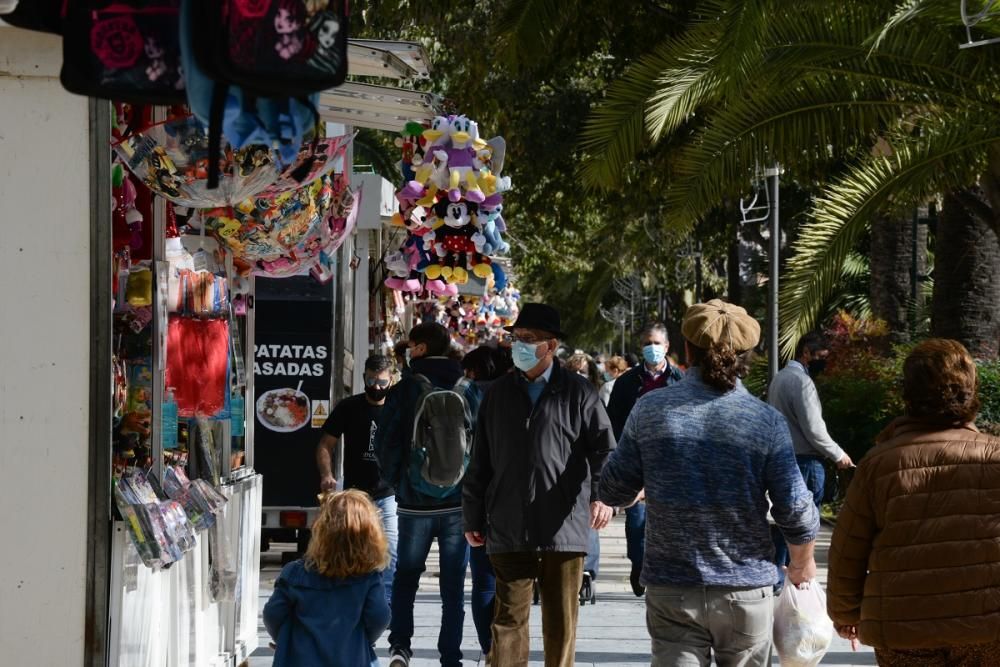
{"x": 377, "y": 107}
{"x": 387, "y": 59}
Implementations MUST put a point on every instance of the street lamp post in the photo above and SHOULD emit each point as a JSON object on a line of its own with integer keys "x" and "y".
{"x": 774, "y": 175}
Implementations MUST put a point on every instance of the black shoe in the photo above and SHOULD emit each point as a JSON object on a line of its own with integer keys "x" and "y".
{"x": 399, "y": 657}
{"x": 633, "y": 579}
{"x": 586, "y": 589}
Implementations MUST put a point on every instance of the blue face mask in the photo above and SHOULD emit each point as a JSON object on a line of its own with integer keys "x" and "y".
{"x": 654, "y": 354}
{"x": 525, "y": 355}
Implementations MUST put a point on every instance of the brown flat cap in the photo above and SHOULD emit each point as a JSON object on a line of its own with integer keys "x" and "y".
{"x": 719, "y": 322}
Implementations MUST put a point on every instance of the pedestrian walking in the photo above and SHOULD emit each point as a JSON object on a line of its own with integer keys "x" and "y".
{"x": 793, "y": 393}
{"x": 708, "y": 454}
{"x": 914, "y": 564}
{"x": 329, "y": 608}
{"x": 530, "y": 494}
{"x": 422, "y": 442}
{"x": 655, "y": 372}
{"x": 613, "y": 369}
{"x": 586, "y": 366}
{"x": 353, "y": 425}
{"x": 484, "y": 365}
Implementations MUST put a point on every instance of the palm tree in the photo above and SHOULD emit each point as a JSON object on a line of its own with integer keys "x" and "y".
{"x": 874, "y": 91}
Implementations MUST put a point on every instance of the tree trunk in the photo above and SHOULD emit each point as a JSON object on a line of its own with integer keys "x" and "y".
{"x": 892, "y": 254}
{"x": 966, "y": 303}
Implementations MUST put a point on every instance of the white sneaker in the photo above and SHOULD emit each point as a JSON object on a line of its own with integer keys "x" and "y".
{"x": 398, "y": 658}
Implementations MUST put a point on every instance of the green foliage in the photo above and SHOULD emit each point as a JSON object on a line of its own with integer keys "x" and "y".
{"x": 871, "y": 99}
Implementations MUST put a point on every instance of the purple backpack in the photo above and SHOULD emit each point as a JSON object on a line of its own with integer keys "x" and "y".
{"x": 124, "y": 50}
{"x": 273, "y": 48}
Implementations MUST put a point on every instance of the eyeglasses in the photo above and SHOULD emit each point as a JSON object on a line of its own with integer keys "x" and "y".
{"x": 376, "y": 382}
{"x": 527, "y": 340}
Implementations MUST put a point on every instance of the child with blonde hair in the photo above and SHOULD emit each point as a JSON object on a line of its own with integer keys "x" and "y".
{"x": 329, "y": 608}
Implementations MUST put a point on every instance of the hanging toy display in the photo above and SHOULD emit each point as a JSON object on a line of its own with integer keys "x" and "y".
{"x": 450, "y": 205}
{"x": 287, "y": 233}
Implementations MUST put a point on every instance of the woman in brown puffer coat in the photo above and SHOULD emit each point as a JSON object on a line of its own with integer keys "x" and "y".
{"x": 915, "y": 556}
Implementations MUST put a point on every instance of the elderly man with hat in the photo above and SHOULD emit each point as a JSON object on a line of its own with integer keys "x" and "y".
{"x": 530, "y": 493}
{"x": 709, "y": 455}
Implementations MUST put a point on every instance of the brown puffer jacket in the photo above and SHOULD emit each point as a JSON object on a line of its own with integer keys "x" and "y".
{"x": 915, "y": 557}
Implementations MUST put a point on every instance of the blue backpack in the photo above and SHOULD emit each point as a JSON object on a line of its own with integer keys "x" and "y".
{"x": 442, "y": 438}
{"x": 245, "y": 115}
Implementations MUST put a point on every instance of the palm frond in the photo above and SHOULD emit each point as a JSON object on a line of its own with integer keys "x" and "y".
{"x": 943, "y": 157}
{"x": 806, "y": 124}
{"x": 615, "y": 132}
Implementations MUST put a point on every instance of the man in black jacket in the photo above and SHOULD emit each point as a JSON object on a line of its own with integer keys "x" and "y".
{"x": 530, "y": 493}
{"x": 654, "y": 372}
{"x": 423, "y": 518}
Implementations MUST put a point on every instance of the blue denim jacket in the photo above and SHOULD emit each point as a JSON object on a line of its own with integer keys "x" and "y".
{"x": 317, "y": 621}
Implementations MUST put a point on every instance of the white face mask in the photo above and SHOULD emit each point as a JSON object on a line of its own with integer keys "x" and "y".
{"x": 525, "y": 355}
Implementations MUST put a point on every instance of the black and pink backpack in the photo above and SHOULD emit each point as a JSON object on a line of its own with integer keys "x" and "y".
{"x": 125, "y": 50}
{"x": 276, "y": 48}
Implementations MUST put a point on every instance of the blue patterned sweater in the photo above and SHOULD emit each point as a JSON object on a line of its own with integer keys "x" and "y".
{"x": 709, "y": 461}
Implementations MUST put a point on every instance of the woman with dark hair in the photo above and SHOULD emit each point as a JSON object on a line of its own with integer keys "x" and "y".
{"x": 915, "y": 556}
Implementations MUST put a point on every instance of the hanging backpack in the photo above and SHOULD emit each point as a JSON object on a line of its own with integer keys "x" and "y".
{"x": 442, "y": 438}
{"x": 275, "y": 48}
{"x": 244, "y": 114}
{"x": 123, "y": 50}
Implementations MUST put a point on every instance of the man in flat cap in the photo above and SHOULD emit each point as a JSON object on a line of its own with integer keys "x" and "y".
{"x": 530, "y": 493}
{"x": 709, "y": 455}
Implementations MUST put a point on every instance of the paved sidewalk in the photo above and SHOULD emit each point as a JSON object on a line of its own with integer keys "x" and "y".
{"x": 612, "y": 632}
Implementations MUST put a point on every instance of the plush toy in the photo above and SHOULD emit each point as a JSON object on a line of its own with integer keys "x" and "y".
{"x": 462, "y": 161}
{"x": 410, "y": 142}
{"x": 494, "y": 244}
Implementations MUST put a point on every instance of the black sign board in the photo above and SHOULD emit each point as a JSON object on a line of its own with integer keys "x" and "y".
{"x": 291, "y": 397}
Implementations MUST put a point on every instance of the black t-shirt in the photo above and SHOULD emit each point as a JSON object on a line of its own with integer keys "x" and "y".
{"x": 355, "y": 420}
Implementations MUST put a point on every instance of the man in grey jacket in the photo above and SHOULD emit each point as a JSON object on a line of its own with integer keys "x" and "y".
{"x": 530, "y": 493}
{"x": 793, "y": 393}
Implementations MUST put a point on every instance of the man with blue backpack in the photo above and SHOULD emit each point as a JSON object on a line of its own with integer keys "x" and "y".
{"x": 424, "y": 441}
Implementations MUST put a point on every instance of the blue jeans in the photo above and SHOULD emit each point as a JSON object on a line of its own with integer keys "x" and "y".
{"x": 416, "y": 533}
{"x": 814, "y": 475}
{"x": 592, "y": 561}
{"x": 635, "y": 533}
{"x": 390, "y": 524}
{"x": 484, "y": 591}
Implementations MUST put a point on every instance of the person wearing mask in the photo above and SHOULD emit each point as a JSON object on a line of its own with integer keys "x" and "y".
{"x": 586, "y": 366}
{"x": 655, "y": 372}
{"x": 613, "y": 369}
{"x": 426, "y": 513}
{"x": 484, "y": 365}
{"x": 793, "y": 393}
{"x": 709, "y": 454}
{"x": 352, "y": 425}
{"x": 914, "y": 564}
{"x": 529, "y": 495}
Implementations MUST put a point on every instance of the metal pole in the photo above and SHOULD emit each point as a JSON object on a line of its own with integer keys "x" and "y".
{"x": 774, "y": 253}
{"x": 697, "y": 273}
{"x": 914, "y": 278}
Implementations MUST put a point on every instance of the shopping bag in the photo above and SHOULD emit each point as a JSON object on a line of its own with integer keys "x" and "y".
{"x": 802, "y": 630}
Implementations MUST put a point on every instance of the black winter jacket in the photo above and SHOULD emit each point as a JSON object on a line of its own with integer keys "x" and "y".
{"x": 628, "y": 389}
{"x": 534, "y": 472}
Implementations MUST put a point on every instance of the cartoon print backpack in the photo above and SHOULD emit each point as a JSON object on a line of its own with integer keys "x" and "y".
{"x": 125, "y": 50}
{"x": 442, "y": 438}
{"x": 275, "y": 48}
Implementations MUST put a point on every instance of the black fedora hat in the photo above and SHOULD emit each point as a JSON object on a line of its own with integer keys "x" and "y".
{"x": 540, "y": 316}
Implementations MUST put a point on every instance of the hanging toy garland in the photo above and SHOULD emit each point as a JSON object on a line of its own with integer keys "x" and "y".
{"x": 451, "y": 207}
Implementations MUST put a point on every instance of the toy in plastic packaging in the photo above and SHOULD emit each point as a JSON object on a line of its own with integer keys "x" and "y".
{"x": 139, "y": 288}
{"x": 223, "y": 573}
{"x": 802, "y": 630}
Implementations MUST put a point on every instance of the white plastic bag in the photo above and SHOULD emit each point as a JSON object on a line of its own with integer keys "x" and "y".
{"x": 802, "y": 630}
